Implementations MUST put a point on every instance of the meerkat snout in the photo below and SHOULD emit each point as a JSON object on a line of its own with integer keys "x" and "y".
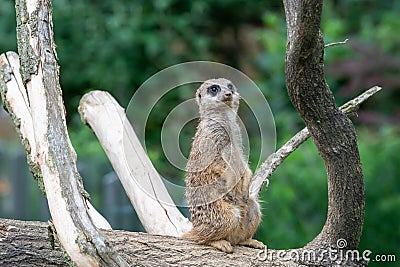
{"x": 228, "y": 96}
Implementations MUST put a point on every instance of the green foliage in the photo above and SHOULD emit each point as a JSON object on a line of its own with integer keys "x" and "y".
{"x": 295, "y": 205}
{"x": 8, "y": 40}
{"x": 297, "y": 198}
{"x": 85, "y": 142}
{"x": 380, "y": 157}
{"x": 117, "y": 45}
{"x": 271, "y": 63}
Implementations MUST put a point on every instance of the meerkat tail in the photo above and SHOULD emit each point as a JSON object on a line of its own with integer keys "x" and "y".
{"x": 222, "y": 245}
{"x": 187, "y": 235}
{"x": 192, "y": 234}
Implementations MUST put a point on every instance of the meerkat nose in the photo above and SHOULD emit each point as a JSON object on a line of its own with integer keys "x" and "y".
{"x": 228, "y": 94}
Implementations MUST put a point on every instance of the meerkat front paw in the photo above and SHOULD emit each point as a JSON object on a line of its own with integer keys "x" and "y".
{"x": 222, "y": 245}
{"x": 252, "y": 243}
{"x": 247, "y": 176}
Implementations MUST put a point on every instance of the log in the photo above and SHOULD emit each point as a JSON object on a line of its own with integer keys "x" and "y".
{"x": 15, "y": 98}
{"x": 34, "y": 244}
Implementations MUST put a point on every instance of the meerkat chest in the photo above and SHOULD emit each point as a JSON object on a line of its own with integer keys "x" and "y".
{"x": 232, "y": 128}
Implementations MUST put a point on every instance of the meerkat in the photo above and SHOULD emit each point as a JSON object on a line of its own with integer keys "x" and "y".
{"x": 217, "y": 174}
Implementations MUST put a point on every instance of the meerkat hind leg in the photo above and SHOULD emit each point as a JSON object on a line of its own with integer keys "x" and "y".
{"x": 222, "y": 245}
{"x": 252, "y": 243}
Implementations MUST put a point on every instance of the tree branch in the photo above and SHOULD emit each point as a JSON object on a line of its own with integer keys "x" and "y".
{"x": 266, "y": 169}
{"x": 52, "y": 157}
{"x": 141, "y": 182}
{"x": 16, "y": 101}
{"x": 331, "y": 130}
{"x": 336, "y": 43}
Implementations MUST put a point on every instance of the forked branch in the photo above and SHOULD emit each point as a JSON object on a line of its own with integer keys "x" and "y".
{"x": 275, "y": 159}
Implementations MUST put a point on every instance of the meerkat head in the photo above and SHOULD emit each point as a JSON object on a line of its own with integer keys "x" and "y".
{"x": 217, "y": 94}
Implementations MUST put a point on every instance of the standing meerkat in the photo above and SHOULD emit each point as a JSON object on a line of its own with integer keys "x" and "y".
{"x": 217, "y": 174}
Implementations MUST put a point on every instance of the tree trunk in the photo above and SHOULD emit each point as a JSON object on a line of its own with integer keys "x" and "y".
{"x": 331, "y": 131}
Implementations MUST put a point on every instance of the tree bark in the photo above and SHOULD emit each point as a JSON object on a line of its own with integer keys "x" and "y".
{"x": 54, "y": 158}
{"x": 16, "y": 101}
{"x": 33, "y": 244}
{"x": 29, "y": 244}
{"x": 331, "y": 131}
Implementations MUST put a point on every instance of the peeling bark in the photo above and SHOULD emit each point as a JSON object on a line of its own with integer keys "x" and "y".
{"x": 16, "y": 102}
{"x": 53, "y": 154}
{"x": 29, "y": 244}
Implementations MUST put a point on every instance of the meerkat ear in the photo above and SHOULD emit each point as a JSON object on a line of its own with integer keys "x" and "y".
{"x": 199, "y": 97}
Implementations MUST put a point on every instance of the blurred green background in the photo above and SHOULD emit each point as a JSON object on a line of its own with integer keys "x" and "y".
{"x": 117, "y": 45}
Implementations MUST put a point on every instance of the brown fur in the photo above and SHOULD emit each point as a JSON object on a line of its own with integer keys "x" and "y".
{"x": 218, "y": 176}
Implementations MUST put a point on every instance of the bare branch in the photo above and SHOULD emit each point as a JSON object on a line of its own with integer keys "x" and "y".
{"x": 141, "y": 182}
{"x": 274, "y": 160}
{"x": 336, "y": 43}
{"x": 354, "y": 104}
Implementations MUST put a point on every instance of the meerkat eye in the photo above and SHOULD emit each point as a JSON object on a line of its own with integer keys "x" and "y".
{"x": 230, "y": 86}
{"x": 213, "y": 89}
